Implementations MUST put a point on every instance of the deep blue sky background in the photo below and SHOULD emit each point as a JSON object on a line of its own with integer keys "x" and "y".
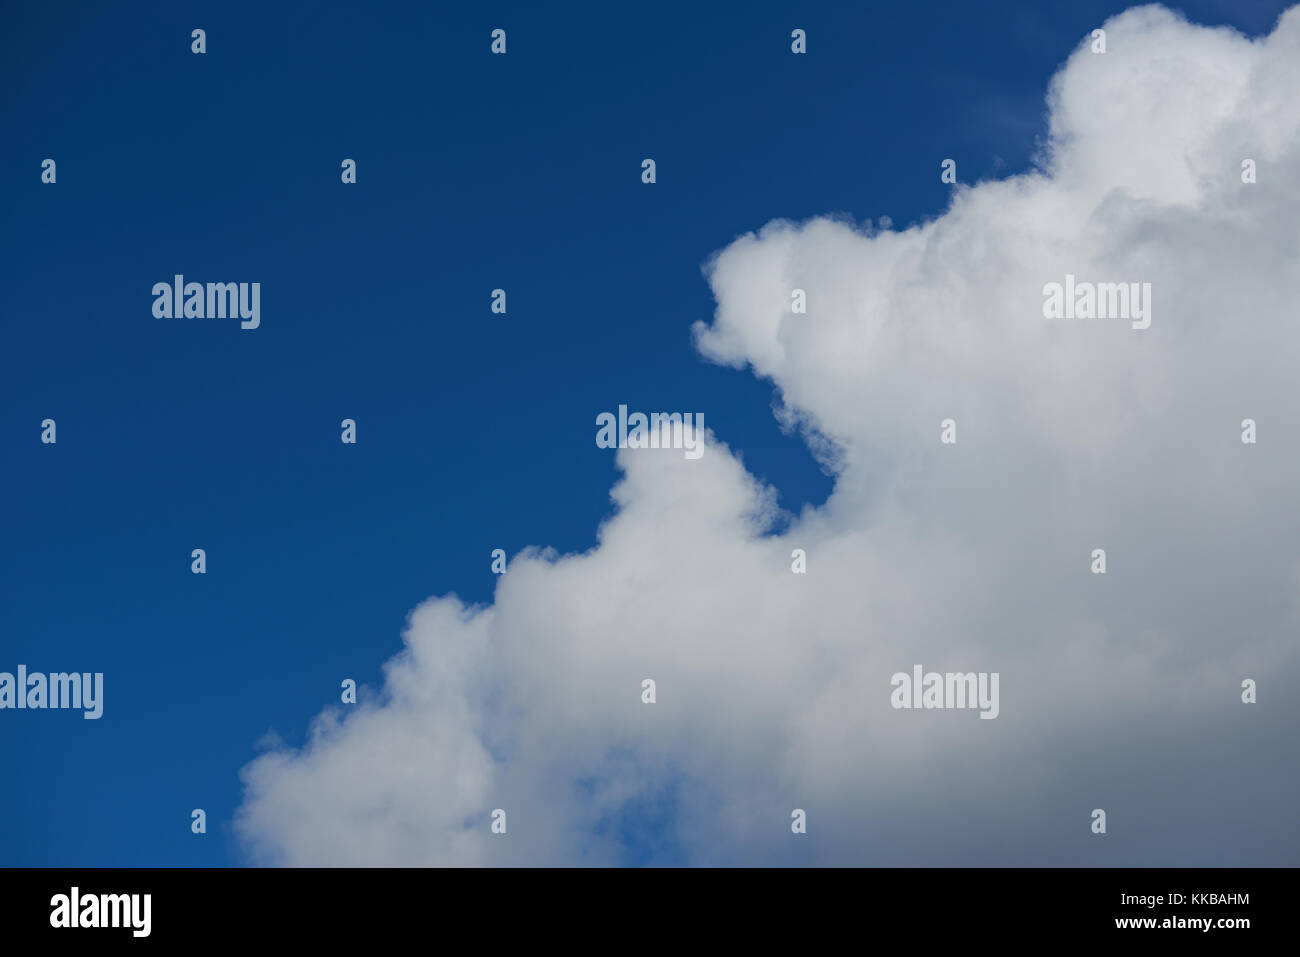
{"x": 475, "y": 431}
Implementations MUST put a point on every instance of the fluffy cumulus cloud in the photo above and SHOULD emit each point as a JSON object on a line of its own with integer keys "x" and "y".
{"x": 1119, "y": 691}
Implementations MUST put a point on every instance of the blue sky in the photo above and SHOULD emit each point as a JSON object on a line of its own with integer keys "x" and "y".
{"x": 475, "y": 430}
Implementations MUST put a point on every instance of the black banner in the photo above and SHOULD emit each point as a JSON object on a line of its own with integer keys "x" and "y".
{"x": 623, "y": 908}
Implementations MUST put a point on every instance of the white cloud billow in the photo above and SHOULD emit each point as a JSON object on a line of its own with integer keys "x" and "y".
{"x": 1118, "y": 691}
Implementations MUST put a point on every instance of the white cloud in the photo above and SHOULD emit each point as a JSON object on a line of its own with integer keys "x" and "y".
{"x": 773, "y": 689}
